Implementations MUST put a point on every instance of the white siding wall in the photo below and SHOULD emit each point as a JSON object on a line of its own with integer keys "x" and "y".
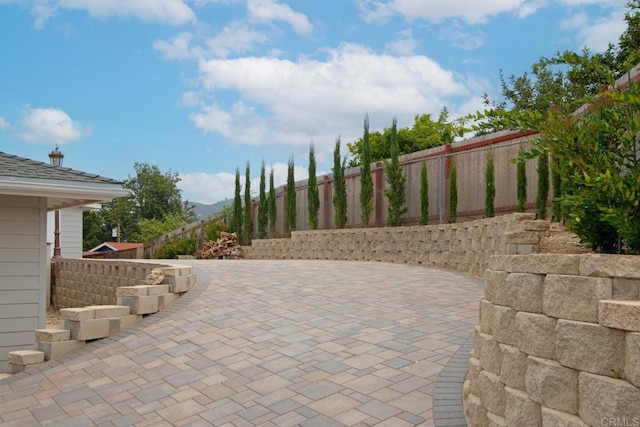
{"x": 70, "y": 232}
{"x": 22, "y": 272}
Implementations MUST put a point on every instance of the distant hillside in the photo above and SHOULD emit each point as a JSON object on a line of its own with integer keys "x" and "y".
{"x": 205, "y": 211}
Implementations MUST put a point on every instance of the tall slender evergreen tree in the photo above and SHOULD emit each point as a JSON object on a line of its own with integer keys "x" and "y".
{"x": 263, "y": 209}
{"x": 543, "y": 186}
{"x": 313, "y": 197}
{"x": 290, "y": 219}
{"x": 339, "y": 187}
{"x": 453, "y": 193}
{"x": 490, "y": 188}
{"x": 271, "y": 202}
{"x": 395, "y": 180}
{"x": 366, "y": 183}
{"x": 556, "y": 204}
{"x": 247, "y": 221}
{"x": 521, "y": 182}
{"x": 237, "y": 207}
{"x": 424, "y": 195}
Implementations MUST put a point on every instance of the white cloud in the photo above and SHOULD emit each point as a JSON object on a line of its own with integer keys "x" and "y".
{"x": 457, "y": 37}
{"x": 470, "y": 11}
{"x": 291, "y": 103}
{"x": 4, "y": 124}
{"x": 51, "y": 125}
{"x": 404, "y": 44}
{"x": 213, "y": 187}
{"x": 578, "y": 20}
{"x": 598, "y": 34}
{"x": 178, "y": 48}
{"x": 271, "y": 10}
{"x": 234, "y": 38}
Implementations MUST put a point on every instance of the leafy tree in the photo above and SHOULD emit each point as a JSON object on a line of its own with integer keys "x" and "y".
{"x": 313, "y": 197}
{"x": 424, "y": 195}
{"x": 543, "y": 186}
{"x": 93, "y": 230}
{"x": 629, "y": 42}
{"x": 490, "y": 188}
{"x": 237, "y": 208}
{"x": 290, "y": 219}
{"x": 453, "y": 193}
{"x": 521, "y": 182}
{"x": 263, "y": 210}
{"x": 339, "y": 187}
{"x": 425, "y": 133}
{"x": 247, "y": 221}
{"x": 366, "y": 183}
{"x": 153, "y": 228}
{"x": 271, "y": 202}
{"x": 396, "y": 181}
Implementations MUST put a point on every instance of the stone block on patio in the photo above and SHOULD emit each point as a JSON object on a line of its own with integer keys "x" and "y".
{"x": 25, "y": 357}
{"x": 88, "y": 329}
{"x": 52, "y": 335}
{"x": 141, "y": 304}
{"x": 52, "y": 350}
{"x": 132, "y": 291}
{"x": 130, "y": 320}
{"x": 105, "y": 311}
{"x": 158, "y": 289}
{"x": 77, "y": 314}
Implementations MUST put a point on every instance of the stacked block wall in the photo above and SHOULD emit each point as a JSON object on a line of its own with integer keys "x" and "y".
{"x": 464, "y": 246}
{"x": 558, "y": 343}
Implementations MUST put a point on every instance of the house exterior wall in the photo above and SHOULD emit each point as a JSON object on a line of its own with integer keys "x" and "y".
{"x": 70, "y": 232}
{"x": 23, "y": 224}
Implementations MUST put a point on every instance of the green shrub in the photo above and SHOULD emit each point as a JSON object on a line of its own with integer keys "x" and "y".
{"x": 174, "y": 247}
{"x": 212, "y": 230}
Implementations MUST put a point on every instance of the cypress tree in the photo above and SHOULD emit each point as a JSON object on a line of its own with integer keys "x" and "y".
{"x": 247, "y": 221}
{"x": 453, "y": 193}
{"x": 543, "y": 186}
{"x": 339, "y": 187}
{"x": 521, "y": 179}
{"x": 490, "y": 188}
{"x": 366, "y": 183}
{"x": 237, "y": 207}
{"x": 290, "y": 219}
{"x": 395, "y": 179}
{"x": 271, "y": 202}
{"x": 263, "y": 209}
{"x": 424, "y": 195}
{"x": 313, "y": 198}
{"x": 556, "y": 204}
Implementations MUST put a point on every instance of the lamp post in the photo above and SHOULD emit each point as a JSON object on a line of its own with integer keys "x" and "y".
{"x": 55, "y": 157}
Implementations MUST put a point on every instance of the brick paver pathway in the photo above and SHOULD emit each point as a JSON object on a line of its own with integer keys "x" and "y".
{"x": 274, "y": 343}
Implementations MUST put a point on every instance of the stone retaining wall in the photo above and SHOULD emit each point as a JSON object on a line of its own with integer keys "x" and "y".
{"x": 464, "y": 246}
{"x": 83, "y": 282}
{"x": 558, "y": 343}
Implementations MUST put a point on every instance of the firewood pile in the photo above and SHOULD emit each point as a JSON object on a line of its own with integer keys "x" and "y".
{"x": 225, "y": 247}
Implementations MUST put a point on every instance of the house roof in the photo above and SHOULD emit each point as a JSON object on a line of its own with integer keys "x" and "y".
{"x": 63, "y": 187}
{"x": 116, "y": 246}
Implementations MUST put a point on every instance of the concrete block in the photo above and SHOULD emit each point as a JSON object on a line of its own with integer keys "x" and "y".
{"x": 52, "y": 350}
{"x": 514, "y": 367}
{"x": 492, "y": 396}
{"x": 495, "y": 282}
{"x": 77, "y": 314}
{"x": 504, "y": 325}
{"x": 536, "y": 334}
{"x": 158, "y": 289}
{"x": 474, "y": 412}
{"x": 520, "y": 410}
{"x": 165, "y": 300}
{"x": 181, "y": 283}
{"x": 620, "y": 315}
{"x": 542, "y": 264}
{"x": 88, "y": 329}
{"x": 472, "y": 375}
{"x": 632, "y": 358}
{"x": 52, "y": 335}
{"x": 626, "y": 289}
{"x": 133, "y": 291}
{"x": 604, "y": 398}
{"x": 141, "y": 305}
{"x": 553, "y": 418}
{"x": 105, "y": 311}
{"x": 25, "y": 357}
{"x": 552, "y": 385}
{"x": 486, "y": 316}
{"x": 490, "y": 354}
{"x": 128, "y": 321}
{"x": 175, "y": 271}
{"x": 601, "y": 265}
{"x": 575, "y": 297}
{"x": 524, "y": 292}
{"x": 590, "y": 347}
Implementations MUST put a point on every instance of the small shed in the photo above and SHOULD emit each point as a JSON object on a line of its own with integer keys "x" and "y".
{"x": 28, "y": 190}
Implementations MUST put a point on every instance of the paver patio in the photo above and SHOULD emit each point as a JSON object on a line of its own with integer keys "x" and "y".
{"x": 274, "y": 343}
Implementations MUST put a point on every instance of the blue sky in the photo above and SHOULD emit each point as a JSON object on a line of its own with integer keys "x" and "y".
{"x": 200, "y": 87}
